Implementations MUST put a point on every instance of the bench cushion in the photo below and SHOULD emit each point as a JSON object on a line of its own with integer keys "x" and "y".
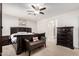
{"x": 36, "y": 44}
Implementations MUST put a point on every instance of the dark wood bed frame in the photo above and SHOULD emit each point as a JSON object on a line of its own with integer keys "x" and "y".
{"x": 19, "y": 46}
{"x": 19, "y": 29}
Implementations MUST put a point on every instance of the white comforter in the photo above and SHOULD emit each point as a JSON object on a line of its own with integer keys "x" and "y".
{"x": 14, "y": 39}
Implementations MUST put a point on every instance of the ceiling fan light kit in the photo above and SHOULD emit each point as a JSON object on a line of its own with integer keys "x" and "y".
{"x": 37, "y": 9}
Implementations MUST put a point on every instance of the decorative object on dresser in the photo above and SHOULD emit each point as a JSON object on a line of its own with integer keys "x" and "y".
{"x": 65, "y": 36}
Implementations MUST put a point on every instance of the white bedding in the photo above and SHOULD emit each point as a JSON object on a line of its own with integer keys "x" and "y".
{"x": 13, "y": 39}
{"x": 23, "y": 33}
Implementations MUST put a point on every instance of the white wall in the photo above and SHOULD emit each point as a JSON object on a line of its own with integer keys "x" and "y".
{"x": 7, "y": 22}
{"x": 11, "y": 21}
{"x": 47, "y": 26}
{"x": 32, "y": 24}
{"x": 66, "y": 19}
{"x": 70, "y": 21}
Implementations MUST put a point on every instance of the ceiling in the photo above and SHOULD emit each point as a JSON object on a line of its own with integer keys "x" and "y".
{"x": 52, "y": 9}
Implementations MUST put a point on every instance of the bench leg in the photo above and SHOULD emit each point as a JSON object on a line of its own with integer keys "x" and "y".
{"x": 29, "y": 53}
{"x": 45, "y": 45}
{"x": 0, "y": 54}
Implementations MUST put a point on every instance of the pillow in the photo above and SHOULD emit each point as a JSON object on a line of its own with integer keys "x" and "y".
{"x": 35, "y": 39}
{"x": 12, "y": 35}
{"x": 13, "y": 40}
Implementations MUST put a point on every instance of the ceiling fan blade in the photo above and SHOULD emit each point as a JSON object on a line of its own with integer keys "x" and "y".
{"x": 33, "y": 7}
{"x": 30, "y": 11}
{"x": 42, "y": 8}
{"x": 41, "y": 13}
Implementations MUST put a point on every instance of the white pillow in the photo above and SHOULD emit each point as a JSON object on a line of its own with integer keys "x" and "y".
{"x": 35, "y": 39}
{"x": 13, "y": 40}
{"x": 13, "y": 35}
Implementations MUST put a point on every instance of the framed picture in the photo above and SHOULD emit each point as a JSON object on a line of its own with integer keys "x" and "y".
{"x": 22, "y": 22}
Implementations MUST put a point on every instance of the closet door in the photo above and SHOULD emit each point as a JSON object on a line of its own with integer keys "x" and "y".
{"x": 0, "y": 28}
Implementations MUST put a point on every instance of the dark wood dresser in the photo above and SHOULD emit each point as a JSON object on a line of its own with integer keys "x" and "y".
{"x": 65, "y": 36}
{"x": 6, "y": 40}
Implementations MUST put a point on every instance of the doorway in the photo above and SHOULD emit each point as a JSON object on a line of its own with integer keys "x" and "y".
{"x": 52, "y": 30}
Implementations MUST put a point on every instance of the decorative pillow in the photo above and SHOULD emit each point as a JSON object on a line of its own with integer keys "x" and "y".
{"x": 35, "y": 39}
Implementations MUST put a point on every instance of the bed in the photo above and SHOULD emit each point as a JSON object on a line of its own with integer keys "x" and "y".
{"x": 19, "y": 44}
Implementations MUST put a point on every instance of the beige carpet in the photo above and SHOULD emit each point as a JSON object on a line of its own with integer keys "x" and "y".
{"x": 51, "y": 50}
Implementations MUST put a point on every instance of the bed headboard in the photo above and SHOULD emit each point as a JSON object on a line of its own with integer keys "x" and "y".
{"x": 19, "y": 29}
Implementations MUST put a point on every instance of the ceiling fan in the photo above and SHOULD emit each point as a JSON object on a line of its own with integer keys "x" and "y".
{"x": 36, "y": 10}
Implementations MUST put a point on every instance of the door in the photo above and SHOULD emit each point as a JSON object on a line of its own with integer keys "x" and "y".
{"x": 52, "y": 30}
{"x": 0, "y": 28}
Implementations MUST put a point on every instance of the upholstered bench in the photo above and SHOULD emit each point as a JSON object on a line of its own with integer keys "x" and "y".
{"x": 33, "y": 45}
